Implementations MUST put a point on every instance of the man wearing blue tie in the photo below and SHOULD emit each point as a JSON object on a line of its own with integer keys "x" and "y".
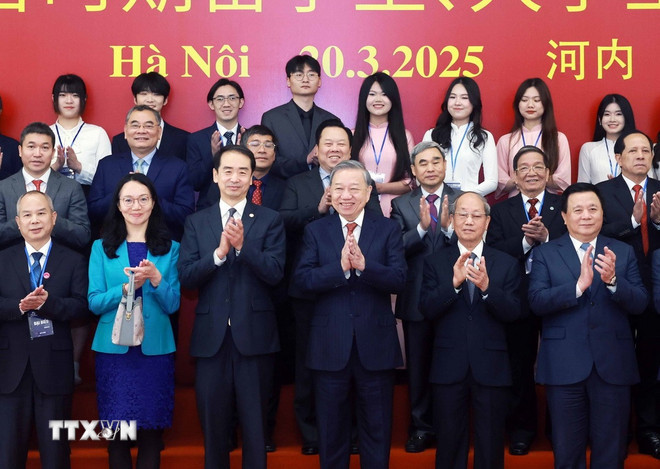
{"x": 584, "y": 286}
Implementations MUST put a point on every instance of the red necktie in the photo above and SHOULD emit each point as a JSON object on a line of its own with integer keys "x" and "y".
{"x": 532, "y": 207}
{"x": 257, "y": 195}
{"x": 37, "y": 184}
{"x": 350, "y": 227}
{"x": 644, "y": 222}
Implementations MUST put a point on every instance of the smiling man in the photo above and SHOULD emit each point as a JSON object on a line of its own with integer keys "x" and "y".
{"x": 168, "y": 173}
{"x": 352, "y": 262}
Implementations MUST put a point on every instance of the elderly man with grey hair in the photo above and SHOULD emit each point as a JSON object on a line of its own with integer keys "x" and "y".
{"x": 423, "y": 215}
{"x": 352, "y": 261}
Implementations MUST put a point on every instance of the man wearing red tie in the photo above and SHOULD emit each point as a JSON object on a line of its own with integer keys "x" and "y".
{"x": 632, "y": 215}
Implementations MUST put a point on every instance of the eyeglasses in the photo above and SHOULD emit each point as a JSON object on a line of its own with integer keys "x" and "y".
{"x": 298, "y": 76}
{"x": 142, "y": 201}
{"x": 476, "y": 216}
{"x": 146, "y": 126}
{"x": 537, "y": 168}
{"x": 231, "y": 99}
{"x": 256, "y": 144}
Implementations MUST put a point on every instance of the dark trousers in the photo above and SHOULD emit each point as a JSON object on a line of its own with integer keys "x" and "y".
{"x": 303, "y": 404}
{"x": 373, "y": 391}
{"x": 18, "y": 410}
{"x": 226, "y": 376}
{"x": 647, "y": 392}
{"x": 149, "y": 443}
{"x": 591, "y": 411}
{"x": 451, "y": 415}
{"x": 419, "y": 347}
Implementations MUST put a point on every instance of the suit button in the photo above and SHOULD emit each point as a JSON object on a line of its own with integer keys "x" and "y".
{"x": 226, "y": 300}
{"x": 469, "y": 317}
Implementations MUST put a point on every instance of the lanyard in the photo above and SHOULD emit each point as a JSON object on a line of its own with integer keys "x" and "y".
{"x": 33, "y": 280}
{"x": 74, "y": 138}
{"x": 453, "y": 157}
{"x": 536, "y": 143}
{"x": 527, "y": 212}
{"x": 378, "y": 156}
{"x": 614, "y": 170}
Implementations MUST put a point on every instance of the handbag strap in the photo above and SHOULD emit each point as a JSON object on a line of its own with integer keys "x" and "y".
{"x": 130, "y": 292}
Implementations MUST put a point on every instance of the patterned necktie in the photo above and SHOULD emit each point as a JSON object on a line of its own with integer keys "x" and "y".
{"x": 228, "y": 137}
{"x": 350, "y": 227}
{"x": 139, "y": 166}
{"x": 431, "y": 198}
{"x": 639, "y": 194}
{"x": 532, "y": 207}
{"x": 257, "y": 195}
{"x": 471, "y": 285}
{"x": 37, "y": 184}
{"x": 35, "y": 269}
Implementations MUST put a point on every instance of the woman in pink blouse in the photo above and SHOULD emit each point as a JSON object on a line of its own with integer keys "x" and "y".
{"x": 381, "y": 142}
{"x": 534, "y": 125}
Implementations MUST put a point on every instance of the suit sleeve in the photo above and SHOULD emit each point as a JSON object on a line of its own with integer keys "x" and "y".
{"x": 199, "y": 159}
{"x": 195, "y": 267}
{"x": 545, "y": 296}
{"x": 437, "y": 294}
{"x": 286, "y": 164}
{"x": 630, "y": 294}
{"x": 390, "y": 276}
{"x": 183, "y": 201}
{"x": 267, "y": 259}
{"x": 74, "y": 230}
{"x": 100, "y": 196}
{"x": 313, "y": 276}
{"x": 503, "y": 300}
{"x": 75, "y": 305}
{"x": 296, "y": 217}
{"x": 103, "y": 298}
{"x": 498, "y": 238}
{"x": 412, "y": 243}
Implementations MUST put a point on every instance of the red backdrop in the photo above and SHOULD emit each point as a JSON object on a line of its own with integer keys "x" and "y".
{"x": 582, "y": 48}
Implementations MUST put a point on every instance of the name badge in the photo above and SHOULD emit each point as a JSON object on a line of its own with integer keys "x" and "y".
{"x": 377, "y": 177}
{"x": 39, "y": 327}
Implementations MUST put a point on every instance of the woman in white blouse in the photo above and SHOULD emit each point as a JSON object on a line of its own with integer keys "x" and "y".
{"x": 467, "y": 145}
{"x": 79, "y": 145}
{"x": 534, "y": 125}
{"x": 597, "y": 162}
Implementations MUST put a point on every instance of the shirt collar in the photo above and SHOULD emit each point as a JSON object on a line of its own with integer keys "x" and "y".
{"x": 77, "y": 126}
{"x": 538, "y": 196}
{"x": 577, "y": 244}
{"x": 240, "y": 208}
{"x": 28, "y": 179}
{"x": 425, "y": 193}
{"x": 630, "y": 183}
{"x": 224, "y": 130}
{"x": 359, "y": 220}
{"x": 478, "y": 250}
{"x": 147, "y": 159}
{"x": 44, "y": 249}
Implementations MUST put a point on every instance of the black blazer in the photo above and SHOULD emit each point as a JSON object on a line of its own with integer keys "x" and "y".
{"x": 405, "y": 210}
{"x": 174, "y": 142}
{"x": 51, "y": 357}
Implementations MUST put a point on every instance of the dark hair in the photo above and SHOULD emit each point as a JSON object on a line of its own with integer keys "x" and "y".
{"x": 576, "y": 188}
{"x": 69, "y": 84}
{"x": 529, "y": 149}
{"x": 257, "y": 130}
{"x": 549, "y": 139}
{"x": 236, "y": 149}
{"x": 297, "y": 64}
{"x": 396, "y": 126}
{"x": 626, "y": 110}
{"x": 620, "y": 143}
{"x": 442, "y": 131}
{"x": 144, "y": 108}
{"x": 224, "y": 82}
{"x": 151, "y": 81}
{"x": 114, "y": 231}
{"x": 37, "y": 128}
{"x": 333, "y": 123}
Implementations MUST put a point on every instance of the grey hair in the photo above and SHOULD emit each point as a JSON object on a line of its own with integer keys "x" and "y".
{"x": 452, "y": 207}
{"x": 423, "y": 146}
{"x": 351, "y": 164}
{"x": 143, "y": 107}
{"x": 50, "y": 201}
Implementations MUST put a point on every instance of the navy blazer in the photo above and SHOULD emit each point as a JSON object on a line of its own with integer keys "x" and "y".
{"x": 470, "y": 335}
{"x": 174, "y": 142}
{"x": 593, "y": 330}
{"x": 72, "y": 226}
{"x": 51, "y": 357}
{"x": 405, "y": 210}
{"x": 292, "y": 144}
{"x": 358, "y": 308}
{"x": 11, "y": 162}
{"x": 170, "y": 178}
{"x": 239, "y": 289}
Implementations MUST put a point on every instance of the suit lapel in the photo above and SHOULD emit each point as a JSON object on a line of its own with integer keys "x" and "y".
{"x": 20, "y": 266}
{"x": 215, "y": 223}
{"x": 248, "y": 218}
{"x": 156, "y": 166}
{"x": 567, "y": 252}
{"x": 518, "y": 210}
{"x": 367, "y": 232}
{"x": 294, "y": 118}
{"x": 54, "y": 184}
{"x": 550, "y": 209}
{"x": 623, "y": 194}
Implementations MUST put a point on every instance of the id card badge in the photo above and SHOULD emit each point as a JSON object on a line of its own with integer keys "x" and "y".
{"x": 377, "y": 177}
{"x": 39, "y": 327}
{"x": 454, "y": 185}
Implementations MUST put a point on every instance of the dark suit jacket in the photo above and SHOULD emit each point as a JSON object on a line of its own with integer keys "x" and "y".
{"x": 300, "y": 206}
{"x": 50, "y": 358}
{"x": 358, "y": 308}
{"x": 72, "y": 225}
{"x": 11, "y": 162}
{"x": 293, "y": 146}
{"x": 405, "y": 210}
{"x": 470, "y": 335}
{"x": 173, "y": 142}
{"x": 618, "y": 207}
{"x": 240, "y": 289}
{"x": 169, "y": 175}
{"x": 593, "y": 330}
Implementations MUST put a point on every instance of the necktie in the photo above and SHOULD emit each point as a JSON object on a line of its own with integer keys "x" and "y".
{"x": 257, "y": 195}
{"x": 35, "y": 269}
{"x": 639, "y": 193}
{"x": 350, "y": 227}
{"x": 228, "y": 137}
{"x": 584, "y": 247}
{"x": 232, "y": 211}
{"x": 431, "y": 198}
{"x": 470, "y": 285}
{"x": 139, "y": 164}
{"x": 37, "y": 184}
{"x": 532, "y": 207}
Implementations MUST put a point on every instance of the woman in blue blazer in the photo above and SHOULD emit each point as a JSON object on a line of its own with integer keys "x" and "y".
{"x": 135, "y": 383}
